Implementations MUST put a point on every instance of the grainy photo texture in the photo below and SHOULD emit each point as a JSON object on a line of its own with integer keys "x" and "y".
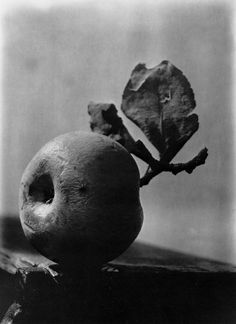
{"x": 151, "y": 80}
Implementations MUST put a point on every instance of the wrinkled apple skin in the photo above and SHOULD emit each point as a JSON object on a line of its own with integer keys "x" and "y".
{"x": 79, "y": 199}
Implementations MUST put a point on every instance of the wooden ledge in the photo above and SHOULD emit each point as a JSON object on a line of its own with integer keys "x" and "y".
{"x": 144, "y": 285}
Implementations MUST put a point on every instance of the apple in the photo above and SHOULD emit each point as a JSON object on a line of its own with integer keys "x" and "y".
{"x": 79, "y": 199}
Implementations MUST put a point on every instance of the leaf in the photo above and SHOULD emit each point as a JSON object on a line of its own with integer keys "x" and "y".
{"x": 105, "y": 120}
{"x": 159, "y": 101}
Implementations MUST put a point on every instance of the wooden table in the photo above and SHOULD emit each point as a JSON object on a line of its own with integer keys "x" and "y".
{"x": 146, "y": 284}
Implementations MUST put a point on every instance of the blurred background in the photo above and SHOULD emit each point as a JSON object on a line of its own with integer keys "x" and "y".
{"x": 58, "y": 58}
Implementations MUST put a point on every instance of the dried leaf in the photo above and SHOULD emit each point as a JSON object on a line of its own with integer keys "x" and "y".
{"x": 159, "y": 101}
{"x": 105, "y": 120}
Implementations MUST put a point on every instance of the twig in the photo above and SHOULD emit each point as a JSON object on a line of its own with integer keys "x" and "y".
{"x": 158, "y": 166}
{"x": 105, "y": 120}
{"x": 13, "y": 313}
{"x": 140, "y": 150}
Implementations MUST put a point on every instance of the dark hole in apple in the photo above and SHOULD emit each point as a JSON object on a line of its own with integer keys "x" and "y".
{"x": 41, "y": 189}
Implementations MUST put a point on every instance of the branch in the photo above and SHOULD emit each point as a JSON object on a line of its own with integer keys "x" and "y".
{"x": 140, "y": 150}
{"x": 158, "y": 167}
{"x": 105, "y": 120}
